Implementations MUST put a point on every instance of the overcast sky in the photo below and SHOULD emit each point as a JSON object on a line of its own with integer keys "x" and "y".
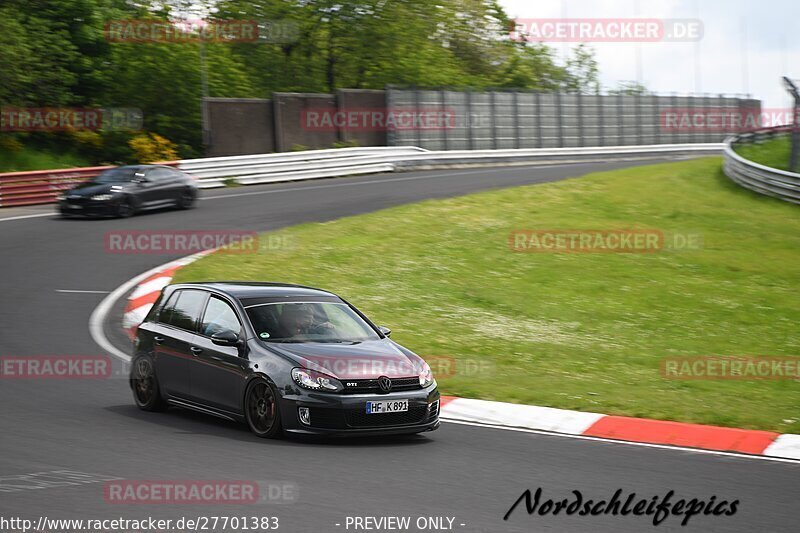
{"x": 772, "y": 51}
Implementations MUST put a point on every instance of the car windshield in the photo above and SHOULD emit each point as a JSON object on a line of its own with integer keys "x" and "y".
{"x": 118, "y": 175}
{"x": 309, "y": 322}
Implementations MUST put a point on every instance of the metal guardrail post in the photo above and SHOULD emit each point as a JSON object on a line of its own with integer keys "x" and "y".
{"x": 794, "y": 157}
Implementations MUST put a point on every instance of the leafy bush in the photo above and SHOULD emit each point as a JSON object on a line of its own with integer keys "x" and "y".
{"x": 151, "y": 147}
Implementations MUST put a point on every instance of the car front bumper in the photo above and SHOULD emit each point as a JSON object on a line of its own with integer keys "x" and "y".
{"x": 88, "y": 207}
{"x": 345, "y": 414}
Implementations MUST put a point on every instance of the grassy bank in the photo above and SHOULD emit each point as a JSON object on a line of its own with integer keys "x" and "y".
{"x": 33, "y": 159}
{"x": 584, "y": 331}
{"x": 774, "y": 153}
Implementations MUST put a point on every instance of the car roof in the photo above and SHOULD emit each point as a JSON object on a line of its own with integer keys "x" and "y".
{"x": 259, "y": 289}
{"x": 141, "y": 168}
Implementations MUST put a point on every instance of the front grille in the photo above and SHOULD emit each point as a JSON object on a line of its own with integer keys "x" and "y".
{"x": 370, "y": 386}
{"x": 359, "y": 418}
{"x": 77, "y": 200}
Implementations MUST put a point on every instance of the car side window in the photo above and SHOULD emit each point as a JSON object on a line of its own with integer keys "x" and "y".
{"x": 166, "y": 312}
{"x": 219, "y": 316}
{"x": 188, "y": 309}
{"x": 160, "y": 175}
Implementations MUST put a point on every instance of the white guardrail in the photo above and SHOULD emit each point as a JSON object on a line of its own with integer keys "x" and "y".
{"x": 294, "y": 166}
{"x": 760, "y": 178}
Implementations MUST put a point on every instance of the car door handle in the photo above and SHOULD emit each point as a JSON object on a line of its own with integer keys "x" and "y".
{"x": 195, "y": 350}
{"x": 158, "y": 340}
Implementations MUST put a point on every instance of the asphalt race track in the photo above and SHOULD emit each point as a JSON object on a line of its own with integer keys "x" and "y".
{"x": 471, "y": 473}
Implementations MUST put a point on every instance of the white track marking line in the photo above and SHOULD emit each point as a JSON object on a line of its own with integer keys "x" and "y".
{"x": 76, "y": 291}
{"x": 28, "y": 216}
{"x": 628, "y": 442}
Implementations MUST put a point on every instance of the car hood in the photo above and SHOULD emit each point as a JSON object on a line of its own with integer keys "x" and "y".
{"x": 90, "y": 188}
{"x": 365, "y": 360}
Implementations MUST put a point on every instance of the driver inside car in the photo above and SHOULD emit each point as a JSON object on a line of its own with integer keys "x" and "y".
{"x": 300, "y": 320}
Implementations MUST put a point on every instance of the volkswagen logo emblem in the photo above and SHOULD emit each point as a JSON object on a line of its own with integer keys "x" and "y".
{"x": 385, "y": 384}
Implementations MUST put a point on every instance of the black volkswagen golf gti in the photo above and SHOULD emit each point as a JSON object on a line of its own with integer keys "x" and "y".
{"x": 282, "y": 358}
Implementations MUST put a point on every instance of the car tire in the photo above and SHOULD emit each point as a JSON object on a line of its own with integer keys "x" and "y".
{"x": 144, "y": 384}
{"x": 185, "y": 200}
{"x": 125, "y": 209}
{"x": 261, "y": 409}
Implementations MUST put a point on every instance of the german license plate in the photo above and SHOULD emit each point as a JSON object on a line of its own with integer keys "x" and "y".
{"x": 387, "y": 406}
{"x": 73, "y": 206}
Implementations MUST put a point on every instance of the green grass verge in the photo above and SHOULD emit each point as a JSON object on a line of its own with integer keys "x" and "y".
{"x": 773, "y": 153}
{"x": 32, "y": 159}
{"x": 575, "y": 331}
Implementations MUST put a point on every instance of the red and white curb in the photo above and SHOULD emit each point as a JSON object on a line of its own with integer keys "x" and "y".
{"x": 530, "y": 417}
{"x": 622, "y": 428}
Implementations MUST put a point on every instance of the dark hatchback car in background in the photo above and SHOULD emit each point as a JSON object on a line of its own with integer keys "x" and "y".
{"x": 282, "y": 358}
{"x": 124, "y": 191}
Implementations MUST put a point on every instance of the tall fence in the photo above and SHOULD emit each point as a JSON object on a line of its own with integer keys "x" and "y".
{"x": 474, "y": 120}
{"x": 526, "y": 119}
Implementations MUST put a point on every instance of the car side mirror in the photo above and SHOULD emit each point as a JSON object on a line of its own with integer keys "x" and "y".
{"x": 385, "y": 331}
{"x": 225, "y": 338}
{"x": 141, "y": 180}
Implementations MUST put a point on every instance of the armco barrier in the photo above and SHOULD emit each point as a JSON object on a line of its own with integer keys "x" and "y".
{"x": 271, "y": 168}
{"x": 759, "y": 178}
{"x": 42, "y": 186}
{"x": 291, "y": 166}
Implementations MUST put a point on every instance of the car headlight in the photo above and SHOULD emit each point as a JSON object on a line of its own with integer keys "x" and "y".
{"x": 311, "y": 379}
{"x": 102, "y": 197}
{"x": 425, "y": 375}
